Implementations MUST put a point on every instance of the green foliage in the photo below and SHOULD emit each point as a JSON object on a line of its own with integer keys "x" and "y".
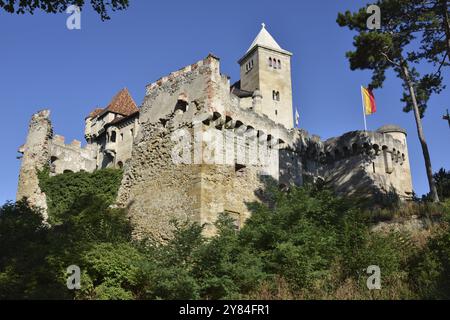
{"x": 55, "y": 6}
{"x": 402, "y": 21}
{"x": 430, "y": 267}
{"x": 442, "y": 178}
{"x": 35, "y": 255}
{"x": 317, "y": 244}
{"x": 64, "y": 190}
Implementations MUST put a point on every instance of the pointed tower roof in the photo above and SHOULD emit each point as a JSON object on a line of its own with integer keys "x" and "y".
{"x": 265, "y": 40}
{"x": 122, "y": 103}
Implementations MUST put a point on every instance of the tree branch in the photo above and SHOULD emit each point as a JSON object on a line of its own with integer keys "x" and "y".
{"x": 390, "y": 60}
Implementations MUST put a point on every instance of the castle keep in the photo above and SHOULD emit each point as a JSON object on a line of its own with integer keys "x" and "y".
{"x": 197, "y": 105}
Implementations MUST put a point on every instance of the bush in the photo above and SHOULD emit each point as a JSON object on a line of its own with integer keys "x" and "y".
{"x": 304, "y": 243}
{"x": 65, "y": 189}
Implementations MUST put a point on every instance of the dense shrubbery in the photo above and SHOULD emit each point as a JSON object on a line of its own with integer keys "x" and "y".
{"x": 308, "y": 244}
{"x": 65, "y": 189}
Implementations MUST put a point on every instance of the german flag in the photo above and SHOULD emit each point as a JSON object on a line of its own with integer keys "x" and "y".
{"x": 370, "y": 106}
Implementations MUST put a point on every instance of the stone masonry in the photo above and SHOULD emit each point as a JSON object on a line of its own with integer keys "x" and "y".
{"x": 223, "y": 133}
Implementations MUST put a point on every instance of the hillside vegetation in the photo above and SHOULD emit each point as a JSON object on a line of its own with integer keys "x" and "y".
{"x": 309, "y": 244}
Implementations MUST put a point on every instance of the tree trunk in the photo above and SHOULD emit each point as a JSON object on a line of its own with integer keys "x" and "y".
{"x": 423, "y": 143}
{"x": 446, "y": 21}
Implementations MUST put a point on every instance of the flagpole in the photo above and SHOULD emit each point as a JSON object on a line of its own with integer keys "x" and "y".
{"x": 364, "y": 111}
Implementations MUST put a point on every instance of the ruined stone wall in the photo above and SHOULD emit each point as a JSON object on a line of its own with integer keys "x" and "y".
{"x": 36, "y": 155}
{"x": 71, "y": 157}
{"x": 154, "y": 188}
{"x": 157, "y": 190}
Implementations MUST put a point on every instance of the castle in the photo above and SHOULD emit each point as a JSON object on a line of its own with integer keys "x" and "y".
{"x": 254, "y": 116}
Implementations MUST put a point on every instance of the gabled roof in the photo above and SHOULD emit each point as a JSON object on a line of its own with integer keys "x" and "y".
{"x": 122, "y": 103}
{"x": 265, "y": 39}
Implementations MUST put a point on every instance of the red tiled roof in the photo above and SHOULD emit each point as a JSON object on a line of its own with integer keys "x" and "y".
{"x": 95, "y": 112}
{"x": 122, "y": 103}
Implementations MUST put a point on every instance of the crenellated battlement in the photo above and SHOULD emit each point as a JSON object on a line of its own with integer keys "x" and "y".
{"x": 368, "y": 142}
{"x": 176, "y": 75}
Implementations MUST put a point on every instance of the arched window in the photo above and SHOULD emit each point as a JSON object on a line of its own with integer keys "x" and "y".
{"x": 270, "y": 62}
{"x": 113, "y": 136}
{"x": 279, "y": 64}
{"x": 275, "y": 63}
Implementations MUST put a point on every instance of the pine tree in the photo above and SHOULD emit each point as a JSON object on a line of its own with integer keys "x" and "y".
{"x": 402, "y": 21}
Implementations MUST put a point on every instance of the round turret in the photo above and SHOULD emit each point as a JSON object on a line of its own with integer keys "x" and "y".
{"x": 395, "y": 131}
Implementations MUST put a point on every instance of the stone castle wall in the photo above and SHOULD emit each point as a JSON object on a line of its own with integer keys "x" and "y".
{"x": 71, "y": 157}
{"x": 195, "y": 102}
{"x": 36, "y": 154}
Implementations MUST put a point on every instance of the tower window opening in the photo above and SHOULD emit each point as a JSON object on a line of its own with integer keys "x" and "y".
{"x": 270, "y": 62}
{"x": 113, "y": 136}
{"x": 279, "y": 64}
{"x": 276, "y": 95}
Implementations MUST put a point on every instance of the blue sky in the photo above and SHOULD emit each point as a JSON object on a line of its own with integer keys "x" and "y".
{"x": 44, "y": 65}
